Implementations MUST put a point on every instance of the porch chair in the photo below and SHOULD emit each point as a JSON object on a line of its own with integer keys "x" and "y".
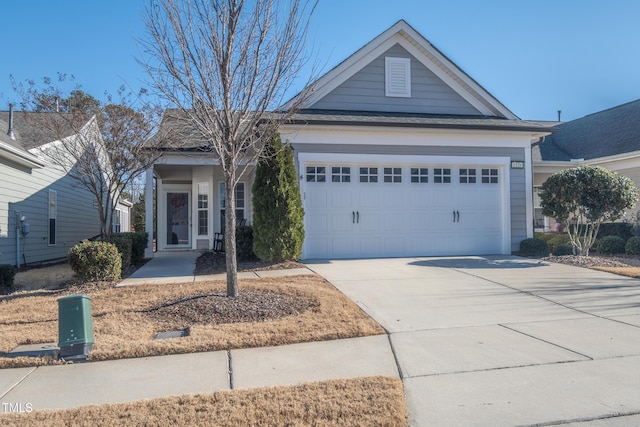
{"x": 218, "y": 238}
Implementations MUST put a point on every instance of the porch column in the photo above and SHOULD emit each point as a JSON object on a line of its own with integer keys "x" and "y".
{"x": 148, "y": 211}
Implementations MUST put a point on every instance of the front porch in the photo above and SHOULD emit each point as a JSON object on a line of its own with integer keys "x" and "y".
{"x": 189, "y": 203}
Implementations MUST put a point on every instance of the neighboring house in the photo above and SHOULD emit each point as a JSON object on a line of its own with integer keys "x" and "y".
{"x": 399, "y": 153}
{"x": 609, "y": 138}
{"x": 59, "y": 212}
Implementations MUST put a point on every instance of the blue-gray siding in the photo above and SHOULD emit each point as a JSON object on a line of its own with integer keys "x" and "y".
{"x": 365, "y": 91}
{"x": 27, "y": 191}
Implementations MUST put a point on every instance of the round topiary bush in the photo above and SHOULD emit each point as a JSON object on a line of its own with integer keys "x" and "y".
{"x": 534, "y": 248}
{"x": 611, "y": 245}
{"x": 563, "y": 249}
{"x": 95, "y": 261}
{"x": 633, "y": 246}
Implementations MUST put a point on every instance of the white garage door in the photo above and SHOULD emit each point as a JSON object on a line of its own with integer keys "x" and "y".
{"x": 384, "y": 210}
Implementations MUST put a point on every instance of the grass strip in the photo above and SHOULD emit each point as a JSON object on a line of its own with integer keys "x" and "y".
{"x": 372, "y": 401}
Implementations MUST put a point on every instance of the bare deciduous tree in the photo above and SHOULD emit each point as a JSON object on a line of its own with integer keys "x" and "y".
{"x": 226, "y": 65}
{"x": 104, "y": 146}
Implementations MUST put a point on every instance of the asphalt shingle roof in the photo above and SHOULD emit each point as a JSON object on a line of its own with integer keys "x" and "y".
{"x": 366, "y": 118}
{"x": 606, "y": 133}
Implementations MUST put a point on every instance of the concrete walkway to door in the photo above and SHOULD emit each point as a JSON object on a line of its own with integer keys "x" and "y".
{"x": 504, "y": 340}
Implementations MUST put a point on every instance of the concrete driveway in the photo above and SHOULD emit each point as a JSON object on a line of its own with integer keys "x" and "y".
{"x": 503, "y": 340}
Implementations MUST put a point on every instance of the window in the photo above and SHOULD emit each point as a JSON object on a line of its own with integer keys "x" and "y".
{"x": 117, "y": 221}
{"x": 392, "y": 174}
{"x": 240, "y": 203}
{"x": 442, "y": 175}
{"x": 539, "y": 219}
{"x": 203, "y": 209}
{"x": 53, "y": 216}
{"x": 316, "y": 174}
{"x": 467, "y": 176}
{"x": 420, "y": 175}
{"x": 368, "y": 174}
{"x": 340, "y": 174}
{"x": 397, "y": 77}
{"x": 489, "y": 176}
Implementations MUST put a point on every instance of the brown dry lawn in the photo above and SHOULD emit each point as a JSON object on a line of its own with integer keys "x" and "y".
{"x": 375, "y": 401}
{"x": 622, "y": 271}
{"x": 123, "y": 329}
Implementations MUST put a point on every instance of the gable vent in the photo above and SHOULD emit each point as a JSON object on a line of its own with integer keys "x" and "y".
{"x": 397, "y": 73}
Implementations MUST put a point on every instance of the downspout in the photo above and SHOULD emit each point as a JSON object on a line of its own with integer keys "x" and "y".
{"x": 18, "y": 239}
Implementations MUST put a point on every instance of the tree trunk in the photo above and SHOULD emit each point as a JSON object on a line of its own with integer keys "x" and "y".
{"x": 230, "y": 236}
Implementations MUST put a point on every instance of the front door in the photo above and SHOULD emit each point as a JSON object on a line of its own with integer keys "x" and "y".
{"x": 178, "y": 229}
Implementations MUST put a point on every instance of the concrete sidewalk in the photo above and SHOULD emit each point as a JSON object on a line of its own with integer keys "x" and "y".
{"x": 116, "y": 381}
{"x": 95, "y": 383}
{"x": 178, "y": 267}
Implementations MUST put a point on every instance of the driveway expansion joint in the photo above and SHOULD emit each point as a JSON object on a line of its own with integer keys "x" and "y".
{"x": 547, "y": 342}
{"x": 582, "y": 420}
{"x": 528, "y": 293}
{"x": 401, "y": 374}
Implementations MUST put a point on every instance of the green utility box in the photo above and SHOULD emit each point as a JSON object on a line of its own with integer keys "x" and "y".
{"x": 75, "y": 326}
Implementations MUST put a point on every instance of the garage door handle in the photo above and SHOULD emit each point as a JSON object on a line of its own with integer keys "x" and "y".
{"x": 454, "y": 216}
{"x": 457, "y": 216}
{"x": 353, "y": 217}
{"x": 358, "y": 217}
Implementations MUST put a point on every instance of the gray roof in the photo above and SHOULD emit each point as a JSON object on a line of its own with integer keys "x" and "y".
{"x": 179, "y": 135}
{"x": 606, "y": 133}
{"x": 366, "y": 118}
{"x": 34, "y": 129}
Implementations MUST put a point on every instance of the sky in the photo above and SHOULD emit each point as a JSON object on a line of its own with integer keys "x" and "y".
{"x": 535, "y": 56}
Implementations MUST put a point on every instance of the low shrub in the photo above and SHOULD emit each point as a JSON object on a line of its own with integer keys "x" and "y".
{"x": 611, "y": 245}
{"x": 563, "y": 249}
{"x": 139, "y": 242}
{"x": 123, "y": 242}
{"x": 7, "y": 274}
{"x": 534, "y": 248}
{"x": 554, "y": 239}
{"x": 244, "y": 243}
{"x": 95, "y": 261}
{"x": 620, "y": 229}
{"x": 632, "y": 247}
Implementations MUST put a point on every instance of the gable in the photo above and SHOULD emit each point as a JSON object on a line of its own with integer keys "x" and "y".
{"x": 369, "y": 89}
{"x": 437, "y": 85}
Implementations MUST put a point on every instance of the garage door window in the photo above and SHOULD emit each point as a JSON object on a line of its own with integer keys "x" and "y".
{"x": 420, "y": 175}
{"x": 489, "y": 176}
{"x": 368, "y": 174}
{"x": 393, "y": 175}
{"x": 467, "y": 176}
{"x": 442, "y": 175}
{"x": 316, "y": 174}
{"x": 340, "y": 174}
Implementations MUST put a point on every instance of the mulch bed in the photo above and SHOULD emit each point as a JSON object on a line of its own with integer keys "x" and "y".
{"x": 595, "y": 261}
{"x": 215, "y": 263}
{"x": 251, "y": 305}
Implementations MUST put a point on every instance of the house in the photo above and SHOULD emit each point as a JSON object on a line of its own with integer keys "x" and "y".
{"x": 43, "y": 211}
{"x": 609, "y": 138}
{"x": 399, "y": 153}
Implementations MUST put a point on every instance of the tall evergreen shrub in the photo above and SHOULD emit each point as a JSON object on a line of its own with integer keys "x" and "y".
{"x": 278, "y": 229}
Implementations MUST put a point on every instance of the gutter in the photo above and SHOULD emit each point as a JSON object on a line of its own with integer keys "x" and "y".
{"x": 474, "y": 126}
{"x": 19, "y": 156}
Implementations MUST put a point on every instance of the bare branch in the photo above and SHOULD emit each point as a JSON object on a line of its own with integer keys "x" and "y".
{"x": 226, "y": 65}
